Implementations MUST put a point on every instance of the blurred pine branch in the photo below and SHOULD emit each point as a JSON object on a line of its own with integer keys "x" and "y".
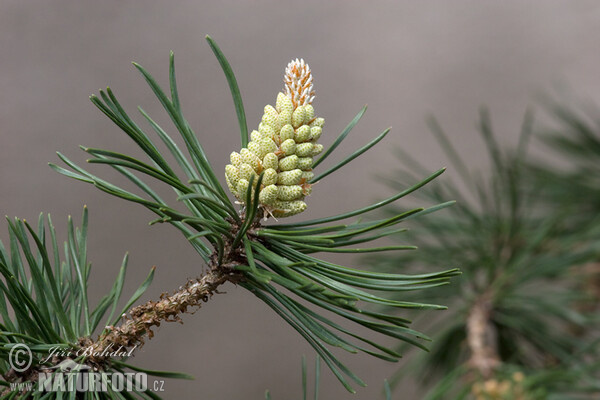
{"x": 516, "y": 326}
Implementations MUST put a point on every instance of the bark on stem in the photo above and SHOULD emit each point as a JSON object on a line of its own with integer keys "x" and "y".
{"x": 481, "y": 338}
{"x": 140, "y": 320}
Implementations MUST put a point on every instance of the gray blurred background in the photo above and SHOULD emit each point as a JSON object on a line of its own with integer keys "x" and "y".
{"x": 406, "y": 59}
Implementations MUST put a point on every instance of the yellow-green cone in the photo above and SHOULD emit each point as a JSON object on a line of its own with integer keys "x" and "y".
{"x": 282, "y": 148}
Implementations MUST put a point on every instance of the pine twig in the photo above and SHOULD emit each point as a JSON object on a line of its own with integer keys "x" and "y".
{"x": 141, "y": 319}
{"x": 480, "y": 338}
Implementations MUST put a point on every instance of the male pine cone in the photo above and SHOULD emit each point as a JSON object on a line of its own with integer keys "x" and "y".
{"x": 282, "y": 148}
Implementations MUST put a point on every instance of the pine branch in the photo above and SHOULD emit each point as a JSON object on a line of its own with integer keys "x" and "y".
{"x": 140, "y": 320}
{"x": 51, "y": 318}
{"x": 516, "y": 324}
{"x": 481, "y": 338}
{"x": 271, "y": 175}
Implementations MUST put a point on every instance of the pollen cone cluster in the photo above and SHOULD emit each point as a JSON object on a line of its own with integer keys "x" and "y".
{"x": 282, "y": 148}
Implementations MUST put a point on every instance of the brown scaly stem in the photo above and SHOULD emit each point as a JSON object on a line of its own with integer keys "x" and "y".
{"x": 481, "y": 338}
{"x": 141, "y": 319}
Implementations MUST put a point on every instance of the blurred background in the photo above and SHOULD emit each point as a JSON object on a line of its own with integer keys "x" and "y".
{"x": 406, "y": 60}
